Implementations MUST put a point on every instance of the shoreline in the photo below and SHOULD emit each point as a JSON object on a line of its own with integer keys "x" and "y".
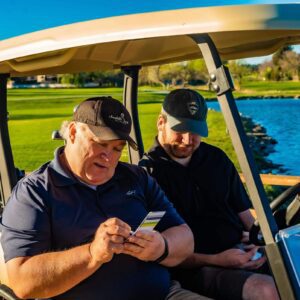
{"x": 261, "y": 145}
{"x": 240, "y": 98}
{"x": 267, "y": 97}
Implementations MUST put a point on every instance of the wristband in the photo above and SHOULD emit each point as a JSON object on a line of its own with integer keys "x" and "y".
{"x": 165, "y": 253}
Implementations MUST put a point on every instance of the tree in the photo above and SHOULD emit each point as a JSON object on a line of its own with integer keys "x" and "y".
{"x": 198, "y": 71}
{"x": 289, "y": 64}
{"x": 111, "y": 78}
{"x": 279, "y": 54}
{"x": 278, "y": 73}
{"x": 151, "y": 76}
{"x": 238, "y": 70}
{"x": 283, "y": 66}
{"x": 174, "y": 74}
{"x": 266, "y": 70}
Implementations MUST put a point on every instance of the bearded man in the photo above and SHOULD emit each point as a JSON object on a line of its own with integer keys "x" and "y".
{"x": 206, "y": 190}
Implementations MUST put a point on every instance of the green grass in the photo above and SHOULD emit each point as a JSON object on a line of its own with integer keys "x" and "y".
{"x": 266, "y": 86}
{"x": 35, "y": 113}
{"x": 269, "y": 88}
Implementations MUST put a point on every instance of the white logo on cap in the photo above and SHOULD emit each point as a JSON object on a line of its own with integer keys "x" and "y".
{"x": 120, "y": 119}
{"x": 192, "y": 107}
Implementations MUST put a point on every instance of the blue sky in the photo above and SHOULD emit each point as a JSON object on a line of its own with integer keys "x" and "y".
{"x": 259, "y": 60}
{"x": 23, "y": 16}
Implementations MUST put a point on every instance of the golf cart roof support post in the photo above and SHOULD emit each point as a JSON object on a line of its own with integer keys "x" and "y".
{"x": 239, "y": 139}
{"x": 7, "y": 168}
{"x": 238, "y": 136}
{"x": 285, "y": 277}
{"x": 130, "y": 100}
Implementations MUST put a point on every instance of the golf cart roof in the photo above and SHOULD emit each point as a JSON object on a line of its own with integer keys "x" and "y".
{"x": 238, "y": 31}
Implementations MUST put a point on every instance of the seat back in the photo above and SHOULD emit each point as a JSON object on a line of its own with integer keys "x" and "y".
{"x": 289, "y": 240}
{"x": 293, "y": 212}
{"x": 3, "y": 271}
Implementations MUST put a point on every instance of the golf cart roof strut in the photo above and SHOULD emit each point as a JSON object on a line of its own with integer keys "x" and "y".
{"x": 130, "y": 100}
{"x": 223, "y": 86}
{"x": 7, "y": 168}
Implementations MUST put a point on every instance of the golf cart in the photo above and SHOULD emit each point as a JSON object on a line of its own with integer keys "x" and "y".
{"x": 131, "y": 42}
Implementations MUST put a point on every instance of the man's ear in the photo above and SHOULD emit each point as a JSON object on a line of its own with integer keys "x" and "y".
{"x": 72, "y": 131}
{"x": 161, "y": 121}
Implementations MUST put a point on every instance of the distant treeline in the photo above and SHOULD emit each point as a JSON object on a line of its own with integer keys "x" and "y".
{"x": 284, "y": 65}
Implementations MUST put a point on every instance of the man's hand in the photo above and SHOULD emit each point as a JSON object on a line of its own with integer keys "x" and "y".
{"x": 237, "y": 258}
{"x": 52, "y": 273}
{"x": 145, "y": 245}
{"x": 109, "y": 239}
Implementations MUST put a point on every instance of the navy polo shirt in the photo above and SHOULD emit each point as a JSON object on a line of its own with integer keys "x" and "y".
{"x": 50, "y": 210}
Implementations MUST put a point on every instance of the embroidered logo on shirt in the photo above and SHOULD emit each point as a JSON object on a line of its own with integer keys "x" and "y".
{"x": 130, "y": 193}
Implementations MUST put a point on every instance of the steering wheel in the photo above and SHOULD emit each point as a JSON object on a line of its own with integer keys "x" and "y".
{"x": 254, "y": 235}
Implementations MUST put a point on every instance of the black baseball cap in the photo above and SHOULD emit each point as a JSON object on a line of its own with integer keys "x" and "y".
{"x": 186, "y": 111}
{"x": 106, "y": 117}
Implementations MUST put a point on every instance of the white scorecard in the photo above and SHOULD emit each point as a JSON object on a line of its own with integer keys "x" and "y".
{"x": 150, "y": 221}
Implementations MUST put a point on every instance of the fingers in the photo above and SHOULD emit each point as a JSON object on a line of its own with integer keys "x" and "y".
{"x": 145, "y": 245}
{"x": 131, "y": 249}
{"x": 115, "y": 231}
{"x": 116, "y": 221}
{"x": 113, "y": 237}
{"x": 115, "y": 248}
{"x": 255, "y": 264}
{"x": 109, "y": 240}
{"x": 252, "y": 251}
{"x": 115, "y": 226}
{"x": 248, "y": 255}
{"x": 142, "y": 237}
{"x": 116, "y": 239}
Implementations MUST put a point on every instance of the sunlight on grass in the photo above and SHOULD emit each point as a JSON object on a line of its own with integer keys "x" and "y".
{"x": 33, "y": 119}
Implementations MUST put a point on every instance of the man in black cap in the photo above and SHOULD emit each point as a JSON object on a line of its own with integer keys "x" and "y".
{"x": 66, "y": 230}
{"x": 206, "y": 190}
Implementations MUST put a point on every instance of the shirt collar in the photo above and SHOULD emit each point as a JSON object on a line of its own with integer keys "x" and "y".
{"x": 61, "y": 176}
{"x": 159, "y": 152}
{"x": 159, "y": 149}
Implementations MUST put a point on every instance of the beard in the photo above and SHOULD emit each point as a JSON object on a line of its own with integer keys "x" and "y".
{"x": 177, "y": 150}
{"x": 181, "y": 150}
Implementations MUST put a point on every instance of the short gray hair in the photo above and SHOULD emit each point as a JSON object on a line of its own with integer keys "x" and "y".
{"x": 163, "y": 114}
{"x": 63, "y": 131}
{"x": 82, "y": 129}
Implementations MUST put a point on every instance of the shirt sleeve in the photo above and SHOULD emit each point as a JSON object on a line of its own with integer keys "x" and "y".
{"x": 25, "y": 222}
{"x": 158, "y": 201}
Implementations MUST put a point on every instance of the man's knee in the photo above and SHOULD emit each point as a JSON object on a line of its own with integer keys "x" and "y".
{"x": 178, "y": 293}
{"x": 259, "y": 286}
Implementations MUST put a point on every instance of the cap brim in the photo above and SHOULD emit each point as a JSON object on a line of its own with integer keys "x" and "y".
{"x": 106, "y": 134}
{"x": 129, "y": 139}
{"x": 187, "y": 125}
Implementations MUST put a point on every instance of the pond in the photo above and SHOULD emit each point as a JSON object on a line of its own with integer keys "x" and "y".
{"x": 281, "y": 119}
